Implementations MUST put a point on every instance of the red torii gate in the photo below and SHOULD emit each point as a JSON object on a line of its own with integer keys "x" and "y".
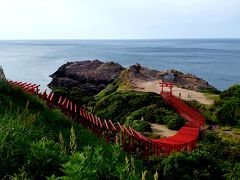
{"x": 166, "y": 84}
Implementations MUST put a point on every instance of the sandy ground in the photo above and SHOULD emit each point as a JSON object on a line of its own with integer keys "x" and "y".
{"x": 153, "y": 86}
{"x": 162, "y": 130}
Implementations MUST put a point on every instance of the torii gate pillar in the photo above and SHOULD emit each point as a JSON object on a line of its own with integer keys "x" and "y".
{"x": 166, "y": 84}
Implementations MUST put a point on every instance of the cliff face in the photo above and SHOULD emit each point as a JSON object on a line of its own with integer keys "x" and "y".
{"x": 90, "y": 76}
{"x": 2, "y": 76}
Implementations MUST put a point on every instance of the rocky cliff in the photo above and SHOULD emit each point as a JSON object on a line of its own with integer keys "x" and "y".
{"x": 93, "y": 76}
{"x": 90, "y": 76}
{"x": 2, "y": 76}
{"x": 180, "y": 79}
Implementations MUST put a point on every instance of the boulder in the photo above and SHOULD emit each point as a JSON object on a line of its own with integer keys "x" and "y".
{"x": 90, "y": 76}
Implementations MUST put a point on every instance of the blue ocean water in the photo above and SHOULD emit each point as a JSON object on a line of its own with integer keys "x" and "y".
{"x": 215, "y": 60}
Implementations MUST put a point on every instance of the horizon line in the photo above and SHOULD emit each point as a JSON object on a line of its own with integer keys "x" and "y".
{"x": 119, "y": 39}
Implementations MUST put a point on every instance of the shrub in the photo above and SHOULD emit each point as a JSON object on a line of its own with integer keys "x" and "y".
{"x": 233, "y": 91}
{"x": 174, "y": 122}
{"x": 141, "y": 125}
{"x": 195, "y": 165}
{"x": 229, "y": 112}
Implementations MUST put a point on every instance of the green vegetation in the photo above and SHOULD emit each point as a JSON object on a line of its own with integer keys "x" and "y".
{"x": 228, "y": 107}
{"x": 214, "y": 158}
{"x": 135, "y": 109}
{"x": 36, "y": 142}
{"x": 74, "y": 94}
{"x": 210, "y": 90}
{"x": 225, "y": 110}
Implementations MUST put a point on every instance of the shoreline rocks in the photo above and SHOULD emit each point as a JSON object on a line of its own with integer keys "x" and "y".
{"x": 90, "y": 76}
{"x": 2, "y": 75}
{"x": 93, "y": 76}
{"x": 180, "y": 79}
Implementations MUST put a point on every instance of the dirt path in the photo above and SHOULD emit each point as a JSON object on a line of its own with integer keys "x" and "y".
{"x": 162, "y": 130}
{"x": 153, "y": 86}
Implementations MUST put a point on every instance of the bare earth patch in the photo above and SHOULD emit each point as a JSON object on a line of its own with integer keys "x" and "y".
{"x": 162, "y": 130}
{"x": 153, "y": 86}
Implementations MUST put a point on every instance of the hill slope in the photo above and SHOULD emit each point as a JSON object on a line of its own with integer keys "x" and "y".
{"x": 36, "y": 142}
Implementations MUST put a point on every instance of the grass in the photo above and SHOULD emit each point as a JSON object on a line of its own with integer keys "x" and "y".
{"x": 29, "y": 138}
{"x": 214, "y": 97}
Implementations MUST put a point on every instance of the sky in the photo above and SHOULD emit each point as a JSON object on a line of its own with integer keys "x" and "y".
{"x": 119, "y": 19}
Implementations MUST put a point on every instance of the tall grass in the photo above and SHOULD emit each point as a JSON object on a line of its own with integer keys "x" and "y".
{"x": 36, "y": 142}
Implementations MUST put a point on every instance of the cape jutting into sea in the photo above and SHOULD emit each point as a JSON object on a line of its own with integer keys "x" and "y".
{"x": 215, "y": 60}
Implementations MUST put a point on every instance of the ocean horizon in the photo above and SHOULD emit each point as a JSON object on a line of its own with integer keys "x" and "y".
{"x": 215, "y": 60}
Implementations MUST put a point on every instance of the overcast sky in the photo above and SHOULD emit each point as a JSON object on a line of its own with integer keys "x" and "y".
{"x": 119, "y": 19}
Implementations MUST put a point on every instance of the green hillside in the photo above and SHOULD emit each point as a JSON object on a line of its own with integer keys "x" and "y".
{"x": 38, "y": 143}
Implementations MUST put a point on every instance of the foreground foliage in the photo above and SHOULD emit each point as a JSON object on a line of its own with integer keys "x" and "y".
{"x": 38, "y": 143}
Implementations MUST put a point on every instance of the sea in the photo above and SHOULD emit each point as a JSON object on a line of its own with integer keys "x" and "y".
{"x": 215, "y": 60}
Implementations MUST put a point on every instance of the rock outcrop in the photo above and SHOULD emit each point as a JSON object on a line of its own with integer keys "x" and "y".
{"x": 90, "y": 76}
{"x": 180, "y": 79}
{"x": 93, "y": 76}
{"x": 2, "y": 75}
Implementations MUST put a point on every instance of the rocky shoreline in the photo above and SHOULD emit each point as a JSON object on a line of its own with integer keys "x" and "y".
{"x": 93, "y": 76}
{"x": 89, "y": 76}
{"x": 2, "y": 75}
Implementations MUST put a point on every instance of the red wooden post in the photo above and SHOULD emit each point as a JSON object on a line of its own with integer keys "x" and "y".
{"x": 59, "y": 101}
{"x": 121, "y": 135}
{"x": 107, "y": 131}
{"x": 113, "y": 128}
{"x": 75, "y": 111}
{"x": 51, "y": 101}
{"x": 101, "y": 126}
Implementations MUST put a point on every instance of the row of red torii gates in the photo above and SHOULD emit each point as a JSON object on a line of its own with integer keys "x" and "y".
{"x": 115, "y": 133}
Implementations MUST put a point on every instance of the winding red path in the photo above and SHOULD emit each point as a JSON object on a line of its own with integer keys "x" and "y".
{"x": 130, "y": 140}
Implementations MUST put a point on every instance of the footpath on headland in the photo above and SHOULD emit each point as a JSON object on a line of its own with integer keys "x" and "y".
{"x": 185, "y": 94}
{"x": 130, "y": 140}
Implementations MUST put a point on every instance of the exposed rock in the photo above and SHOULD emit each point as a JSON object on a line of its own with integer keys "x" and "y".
{"x": 90, "y": 76}
{"x": 2, "y": 76}
{"x": 93, "y": 76}
{"x": 180, "y": 79}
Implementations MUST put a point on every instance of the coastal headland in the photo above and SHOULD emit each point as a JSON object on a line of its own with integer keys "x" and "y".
{"x": 93, "y": 76}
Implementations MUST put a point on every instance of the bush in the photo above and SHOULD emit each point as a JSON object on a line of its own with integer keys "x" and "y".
{"x": 195, "y": 165}
{"x": 233, "y": 91}
{"x": 229, "y": 111}
{"x": 141, "y": 125}
{"x": 174, "y": 122}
